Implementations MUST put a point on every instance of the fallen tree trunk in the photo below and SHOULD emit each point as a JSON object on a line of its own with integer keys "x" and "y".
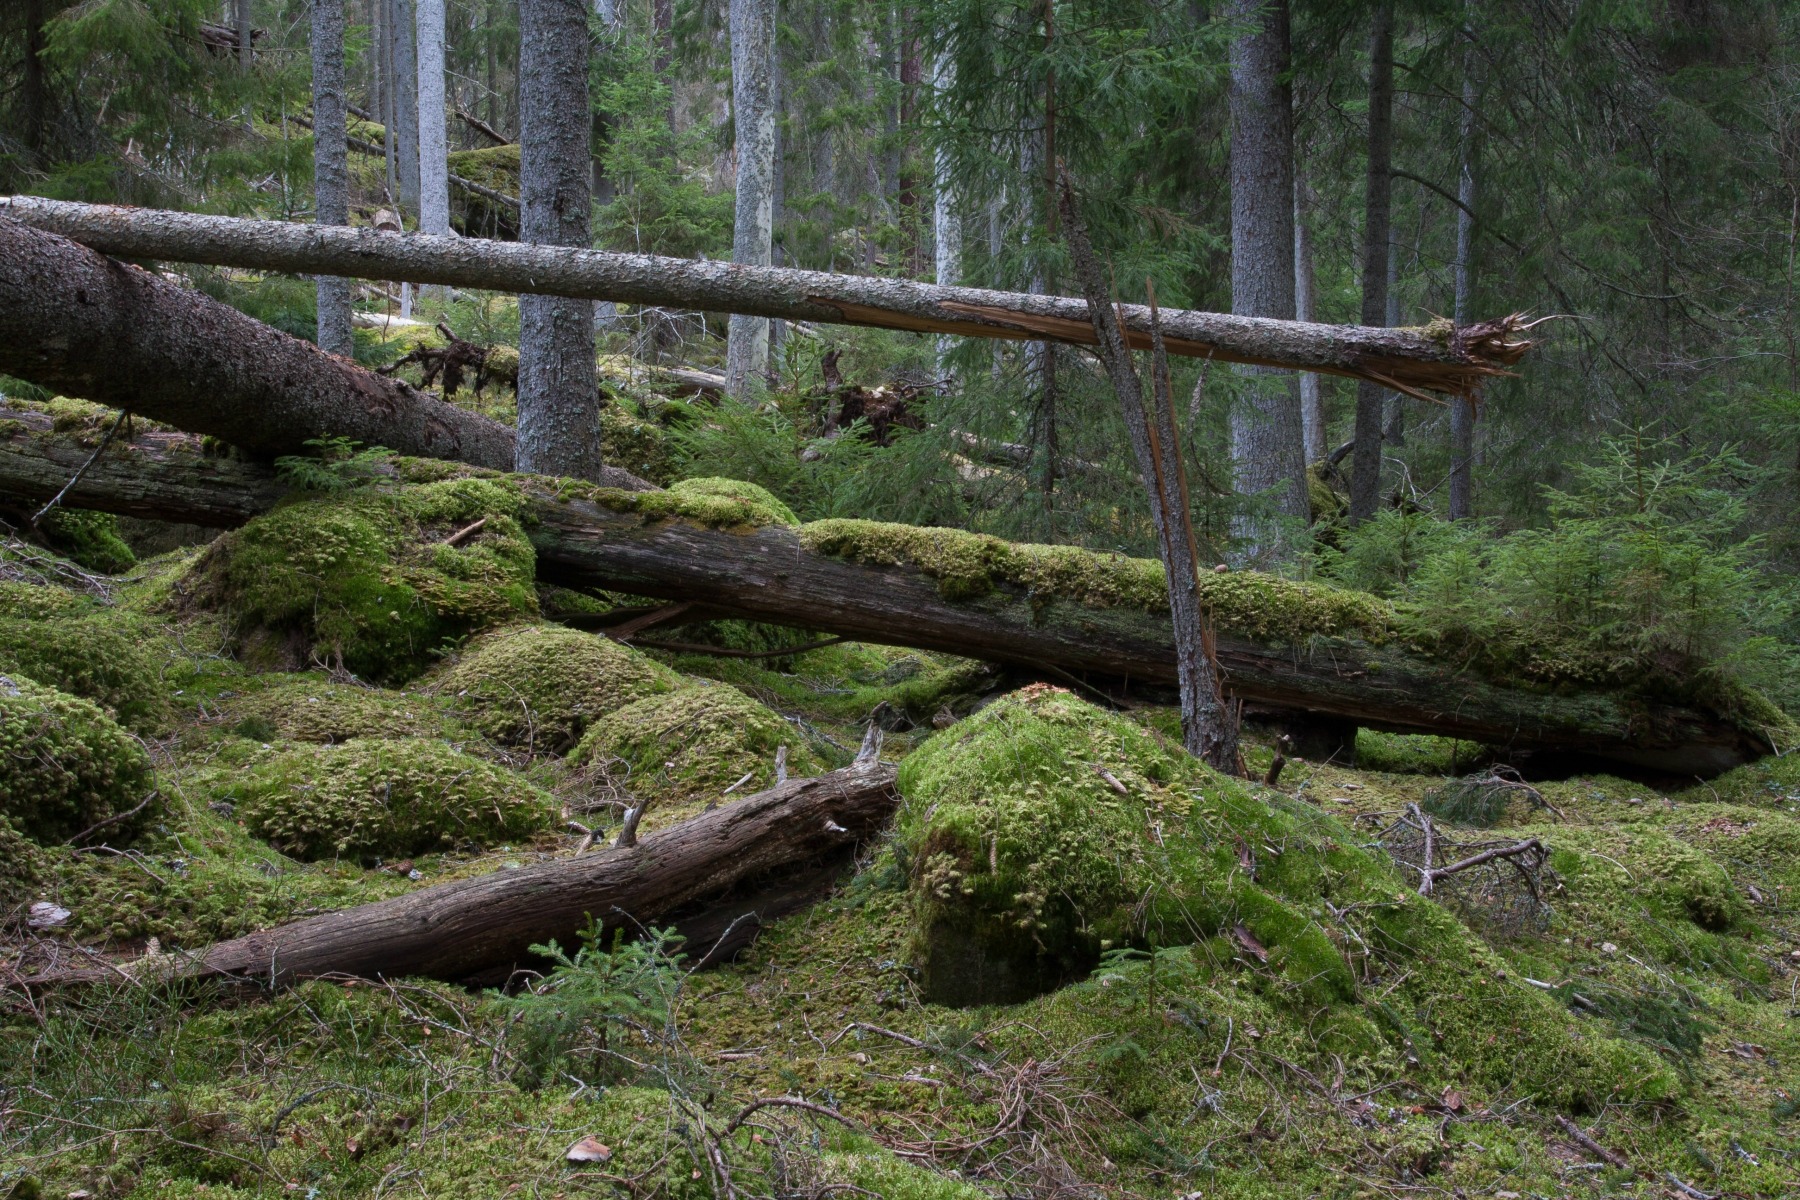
{"x": 788, "y": 838}
{"x": 1415, "y": 360}
{"x": 809, "y": 578}
{"x": 81, "y": 324}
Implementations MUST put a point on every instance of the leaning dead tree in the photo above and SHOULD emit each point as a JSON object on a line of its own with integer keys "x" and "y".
{"x": 85, "y": 325}
{"x": 716, "y": 878}
{"x": 849, "y": 579}
{"x": 1419, "y": 361}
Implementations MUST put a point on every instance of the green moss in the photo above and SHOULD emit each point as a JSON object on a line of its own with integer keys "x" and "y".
{"x": 1645, "y": 889}
{"x": 311, "y": 709}
{"x": 65, "y": 766}
{"x": 969, "y": 565}
{"x": 714, "y": 503}
{"x": 1412, "y": 753}
{"x": 89, "y": 538}
{"x": 386, "y": 797}
{"x": 688, "y": 746}
{"x": 367, "y": 578}
{"x": 87, "y": 650}
{"x": 639, "y": 446}
{"x": 541, "y": 686}
{"x": 1771, "y": 781}
{"x": 21, "y": 867}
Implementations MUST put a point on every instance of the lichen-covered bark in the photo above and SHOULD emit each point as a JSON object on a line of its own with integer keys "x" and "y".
{"x": 1267, "y": 453}
{"x": 1433, "y": 358}
{"x": 559, "y": 398}
{"x": 331, "y": 174}
{"x": 434, "y": 150}
{"x": 753, "y": 119}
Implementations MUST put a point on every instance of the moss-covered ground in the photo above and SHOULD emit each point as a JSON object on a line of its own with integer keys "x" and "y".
{"x": 1203, "y": 987}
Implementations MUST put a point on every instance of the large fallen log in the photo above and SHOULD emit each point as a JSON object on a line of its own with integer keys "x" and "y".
{"x": 860, "y": 581}
{"x": 81, "y": 324}
{"x": 1422, "y": 360}
{"x": 796, "y": 831}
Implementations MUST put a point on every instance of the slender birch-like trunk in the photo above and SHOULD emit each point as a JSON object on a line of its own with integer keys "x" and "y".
{"x": 559, "y": 398}
{"x": 753, "y": 229}
{"x": 1365, "y": 471}
{"x": 946, "y": 221}
{"x": 1312, "y": 395}
{"x": 1462, "y": 410}
{"x": 434, "y": 150}
{"x": 331, "y": 173}
{"x": 1267, "y": 452}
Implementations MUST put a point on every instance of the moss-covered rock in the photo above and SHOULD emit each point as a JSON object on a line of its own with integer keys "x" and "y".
{"x": 368, "y": 577}
{"x": 21, "y": 867}
{"x": 84, "y": 648}
{"x": 310, "y": 709}
{"x": 386, "y": 797}
{"x": 541, "y": 686}
{"x": 731, "y": 502}
{"x": 1027, "y": 864}
{"x": 690, "y": 745}
{"x": 65, "y": 765}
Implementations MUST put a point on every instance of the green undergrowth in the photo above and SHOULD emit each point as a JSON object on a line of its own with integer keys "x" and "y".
{"x": 541, "y": 686}
{"x": 66, "y": 766}
{"x": 385, "y": 797}
{"x": 368, "y": 579}
{"x": 686, "y": 747}
{"x": 89, "y": 538}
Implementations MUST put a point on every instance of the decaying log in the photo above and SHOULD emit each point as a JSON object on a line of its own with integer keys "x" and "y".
{"x": 1415, "y": 360}
{"x": 718, "y": 875}
{"x": 81, "y": 324}
{"x": 593, "y": 538}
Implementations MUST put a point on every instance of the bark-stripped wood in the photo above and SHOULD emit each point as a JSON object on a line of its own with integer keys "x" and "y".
{"x": 792, "y": 832}
{"x": 84, "y": 325}
{"x": 1408, "y": 359}
{"x": 769, "y": 574}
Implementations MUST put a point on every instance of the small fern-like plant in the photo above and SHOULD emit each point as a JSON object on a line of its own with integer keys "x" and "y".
{"x": 333, "y": 464}
{"x": 572, "y": 1022}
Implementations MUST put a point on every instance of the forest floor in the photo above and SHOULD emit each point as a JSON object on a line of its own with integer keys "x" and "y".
{"x": 1305, "y": 1024}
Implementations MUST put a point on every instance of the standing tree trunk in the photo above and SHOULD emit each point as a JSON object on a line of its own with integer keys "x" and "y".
{"x": 240, "y": 19}
{"x": 1365, "y": 473}
{"x": 405, "y": 79}
{"x": 1462, "y": 409}
{"x": 753, "y": 230}
{"x": 946, "y": 222}
{"x": 331, "y": 173}
{"x": 1266, "y": 447}
{"x": 434, "y": 165}
{"x": 559, "y": 397}
{"x": 1312, "y": 393}
{"x": 34, "y": 87}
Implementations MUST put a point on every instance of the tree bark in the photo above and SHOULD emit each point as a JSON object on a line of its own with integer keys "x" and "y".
{"x": 753, "y": 230}
{"x": 434, "y": 150}
{"x": 946, "y": 224}
{"x": 1365, "y": 465}
{"x": 405, "y": 79}
{"x": 87, "y": 326}
{"x": 331, "y": 173}
{"x": 1424, "y": 359}
{"x": 471, "y": 926}
{"x": 1267, "y": 455}
{"x": 559, "y": 396}
{"x": 1462, "y": 410}
{"x": 1312, "y": 397}
{"x": 779, "y": 575}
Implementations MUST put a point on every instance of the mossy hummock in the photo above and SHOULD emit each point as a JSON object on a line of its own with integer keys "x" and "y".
{"x": 80, "y": 646}
{"x": 542, "y": 686}
{"x": 386, "y": 797}
{"x": 65, "y": 765}
{"x": 311, "y": 709}
{"x": 690, "y": 745}
{"x": 371, "y": 578}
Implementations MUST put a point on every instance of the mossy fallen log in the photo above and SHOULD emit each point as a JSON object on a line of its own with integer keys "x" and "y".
{"x": 1308, "y": 648}
{"x": 763, "y": 844}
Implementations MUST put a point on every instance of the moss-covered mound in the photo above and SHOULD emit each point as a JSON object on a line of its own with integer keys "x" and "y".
{"x": 629, "y": 441}
{"x": 89, "y": 538}
{"x": 541, "y": 686}
{"x": 21, "y": 866}
{"x": 1028, "y": 864}
{"x": 310, "y": 709}
{"x": 370, "y": 578}
{"x": 1772, "y": 781}
{"x": 692, "y": 744}
{"x": 79, "y": 646}
{"x": 732, "y": 502}
{"x": 65, "y": 766}
{"x": 968, "y": 565}
{"x": 386, "y": 797}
